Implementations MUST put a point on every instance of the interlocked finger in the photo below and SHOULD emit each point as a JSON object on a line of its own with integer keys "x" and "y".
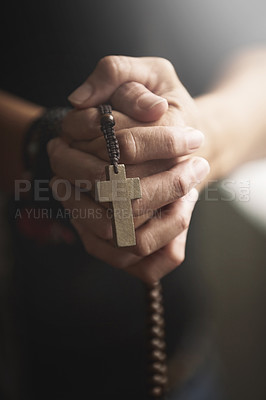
{"x": 89, "y": 215}
{"x": 152, "y": 268}
{"x": 140, "y": 144}
{"x": 85, "y": 124}
{"x": 158, "y": 190}
{"x": 165, "y": 225}
{"x": 163, "y": 188}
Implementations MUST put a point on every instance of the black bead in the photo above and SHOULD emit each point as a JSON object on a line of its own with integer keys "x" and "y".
{"x": 107, "y": 119}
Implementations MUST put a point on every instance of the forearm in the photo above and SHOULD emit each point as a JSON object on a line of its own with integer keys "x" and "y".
{"x": 16, "y": 115}
{"x": 234, "y": 115}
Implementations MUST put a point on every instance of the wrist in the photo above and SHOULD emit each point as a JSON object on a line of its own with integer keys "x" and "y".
{"x": 234, "y": 114}
{"x": 233, "y": 127}
{"x": 211, "y": 124}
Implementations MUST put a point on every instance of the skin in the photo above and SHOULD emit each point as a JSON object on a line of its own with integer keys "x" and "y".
{"x": 233, "y": 123}
{"x": 155, "y": 151}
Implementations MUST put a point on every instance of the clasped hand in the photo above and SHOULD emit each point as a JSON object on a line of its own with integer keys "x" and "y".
{"x": 157, "y": 128}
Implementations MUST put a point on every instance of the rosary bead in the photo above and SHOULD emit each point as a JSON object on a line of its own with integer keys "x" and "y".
{"x": 157, "y": 344}
{"x": 155, "y": 295}
{"x": 156, "y": 307}
{"x": 164, "y": 369}
{"x": 156, "y": 319}
{"x": 158, "y": 367}
{"x": 107, "y": 119}
{"x": 155, "y": 285}
{"x": 107, "y": 127}
{"x": 159, "y": 380}
{"x": 158, "y": 355}
{"x": 156, "y": 392}
{"x": 156, "y": 331}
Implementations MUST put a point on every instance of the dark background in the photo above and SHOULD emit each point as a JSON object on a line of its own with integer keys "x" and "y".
{"x": 48, "y": 48}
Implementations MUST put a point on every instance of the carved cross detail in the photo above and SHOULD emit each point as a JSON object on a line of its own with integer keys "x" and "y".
{"x": 119, "y": 191}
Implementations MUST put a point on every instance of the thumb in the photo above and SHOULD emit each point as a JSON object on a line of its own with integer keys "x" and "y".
{"x": 113, "y": 71}
{"x": 136, "y": 101}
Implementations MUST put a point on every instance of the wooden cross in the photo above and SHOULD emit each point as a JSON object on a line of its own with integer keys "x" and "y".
{"x": 120, "y": 190}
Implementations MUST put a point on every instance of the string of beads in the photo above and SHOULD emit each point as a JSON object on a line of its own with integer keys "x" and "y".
{"x": 158, "y": 378}
{"x": 107, "y": 128}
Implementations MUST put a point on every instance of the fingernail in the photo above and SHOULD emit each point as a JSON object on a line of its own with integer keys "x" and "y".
{"x": 194, "y": 139}
{"x": 149, "y": 100}
{"x": 201, "y": 168}
{"x": 81, "y": 94}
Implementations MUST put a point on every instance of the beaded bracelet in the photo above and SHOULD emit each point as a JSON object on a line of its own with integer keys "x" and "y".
{"x": 42, "y": 130}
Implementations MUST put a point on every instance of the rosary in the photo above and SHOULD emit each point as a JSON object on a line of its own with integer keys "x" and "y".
{"x": 119, "y": 190}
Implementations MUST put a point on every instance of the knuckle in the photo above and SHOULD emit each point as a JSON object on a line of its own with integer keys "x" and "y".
{"x": 145, "y": 243}
{"x": 128, "y": 92}
{"x": 138, "y": 207}
{"x": 91, "y": 115}
{"x": 100, "y": 174}
{"x": 175, "y": 185}
{"x": 121, "y": 263}
{"x": 78, "y": 123}
{"x": 183, "y": 222}
{"x": 106, "y": 232}
{"x": 180, "y": 186}
{"x": 171, "y": 142}
{"x": 180, "y": 258}
{"x": 168, "y": 67}
{"x": 166, "y": 64}
{"x": 104, "y": 62}
{"x": 176, "y": 256}
{"x": 128, "y": 145}
{"x": 135, "y": 89}
{"x": 111, "y": 65}
{"x": 142, "y": 249}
